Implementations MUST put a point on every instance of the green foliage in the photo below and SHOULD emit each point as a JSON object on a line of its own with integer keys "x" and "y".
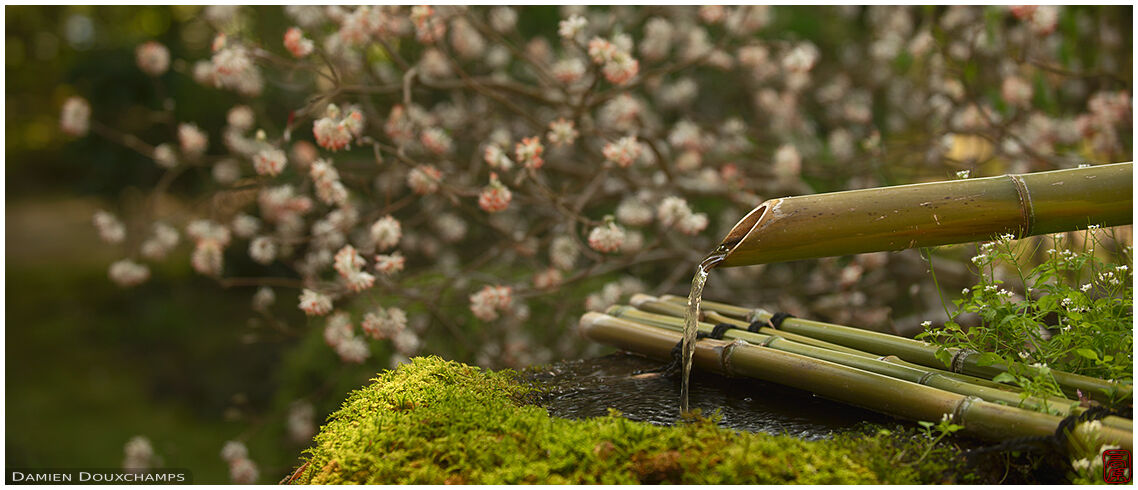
{"x": 1076, "y": 315}
{"x": 434, "y": 421}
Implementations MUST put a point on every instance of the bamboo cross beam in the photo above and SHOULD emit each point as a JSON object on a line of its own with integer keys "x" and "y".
{"x": 842, "y": 383}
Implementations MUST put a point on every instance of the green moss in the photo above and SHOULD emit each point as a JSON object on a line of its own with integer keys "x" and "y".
{"x": 434, "y": 421}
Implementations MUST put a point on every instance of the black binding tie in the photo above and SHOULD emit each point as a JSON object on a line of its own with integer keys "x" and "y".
{"x": 673, "y": 366}
{"x": 777, "y": 319}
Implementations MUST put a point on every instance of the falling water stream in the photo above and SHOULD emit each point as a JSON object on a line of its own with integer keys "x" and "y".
{"x": 691, "y": 317}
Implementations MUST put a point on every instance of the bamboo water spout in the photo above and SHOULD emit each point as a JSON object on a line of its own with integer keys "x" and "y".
{"x": 935, "y": 213}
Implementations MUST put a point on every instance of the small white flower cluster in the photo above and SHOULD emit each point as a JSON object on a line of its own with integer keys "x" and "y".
{"x": 242, "y": 470}
{"x": 336, "y": 130}
{"x": 622, "y": 152}
{"x": 339, "y": 333}
{"x": 75, "y": 119}
{"x": 210, "y": 239}
{"x": 673, "y": 212}
{"x": 617, "y": 64}
{"x": 110, "y": 229}
{"x": 606, "y": 238}
{"x": 612, "y": 292}
{"x": 153, "y": 58}
{"x": 350, "y": 264}
{"x": 301, "y": 422}
{"x": 490, "y": 301}
{"x": 138, "y": 454}
{"x": 384, "y": 323}
{"x": 314, "y": 303}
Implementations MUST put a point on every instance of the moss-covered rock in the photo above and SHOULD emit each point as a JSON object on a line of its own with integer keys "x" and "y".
{"x": 434, "y": 421}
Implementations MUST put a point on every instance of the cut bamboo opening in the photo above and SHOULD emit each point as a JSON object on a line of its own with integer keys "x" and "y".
{"x": 843, "y": 383}
{"x": 929, "y": 214}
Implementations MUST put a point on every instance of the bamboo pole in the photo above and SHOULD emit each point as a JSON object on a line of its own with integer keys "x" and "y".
{"x": 843, "y": 383}
{"x": 929, "y": 214}
{"x": 919, "y": 352}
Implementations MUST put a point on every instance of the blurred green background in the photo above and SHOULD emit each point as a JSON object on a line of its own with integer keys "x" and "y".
{"x": 181, "y": 361}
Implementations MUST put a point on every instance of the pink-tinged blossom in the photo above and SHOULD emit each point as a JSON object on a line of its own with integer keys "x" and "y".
{"x": 1045, "y": 19}
{"x": 801, "y": 58}
{"x": 263, "y": 250}
{"x": 353, "y": 350}
{"x": 528, "y": 152}
{"x": 712, "y": 14}
{"x": 692, "y": 224}
{"x": 296, "y": 43}
{"x": 127, "y": 273}
{"x": 264, "y": 298}
{"x": 622, "y": 152}
{"x": 314, "y": 303}
{"x": 269, "y": 161}
{"x": 192, "y": 139}
{"x": 494, "y": 197}
{"x": 110, "y": 228}
{"x": 466, "y": 40}
{"x": 234, "y": 450}
{"x": 561, "y": 132}
{"x": 1016, "y": 91}
{"x": 634, "y": 212}
{"x": 606, "y": 238}
{"x": 424, "y": 179}
{"x": 240, "y": 117}
{"x": 490, "y": 301}
{"x": 787, "y": 163}
{"x": 138, "y": 454}
{"x": 429, "y": 27}
{"x": 386, "y": 232}
{"x": 569, "y": 70}
{"x": 75, "y": 118}
{"x": 496, "y": 157}
{"x": 304, "y": 153}
{"x": 207, "y": 258}
{"x": 336, "y": 130}
{"x": 384, "y": 323}
{"x": 391, "y": 264}
{"x": 672, "y": 210}
{"x": 301, "y": 422}
{"x": 1023, "y": 12}
{"x": 204, "y": 230}
{"x": 619, "y": 67}
{"x": 572, "y": 27}
{"x": 503, "y": 19}
{"x": 436, "y": 141}
{"x": 349, "y": 264}
{"x": 165, "y": 156}
{"x": 563, "y": 252}
{"x": 163, "y": 239}
{"x": 338, "y": 328}
{"x": 243, "y": 472}
{"x": 398, "y": 126}
{"x": 547, "y": 279}
{"x": 153, "y": 58}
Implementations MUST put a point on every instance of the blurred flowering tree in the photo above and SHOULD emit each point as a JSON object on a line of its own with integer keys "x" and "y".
{"x": 449, "y": 175}
{"x": 443, "y": 157}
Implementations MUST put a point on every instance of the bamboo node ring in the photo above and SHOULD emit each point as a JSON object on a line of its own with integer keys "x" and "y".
{"x": 1027, "y": 211}
{"x": 962, "y": 408}
{"x": 925, "y": 379}
{"x": 958, "y": 360}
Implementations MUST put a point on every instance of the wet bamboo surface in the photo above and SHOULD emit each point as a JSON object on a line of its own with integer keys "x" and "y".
{"x": 859, "y": 387}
